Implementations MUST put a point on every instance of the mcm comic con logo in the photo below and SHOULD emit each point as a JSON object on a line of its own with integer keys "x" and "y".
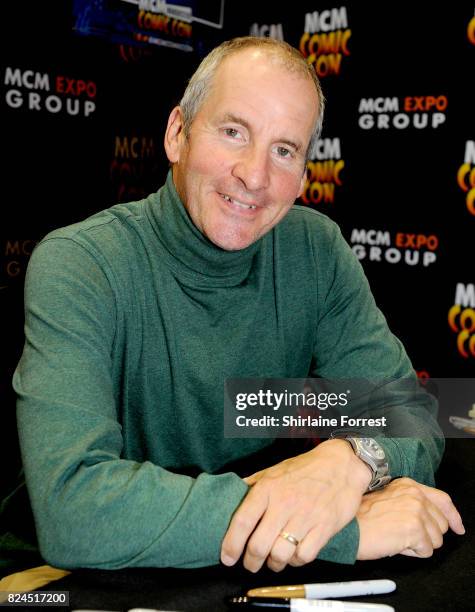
{"x": 324, "y": 172}
{"x": 471, "y": 30}
{"x": 324, "y": 42}
{"x": 134, "y": 166}
{"x": 461, "y": 319}
{"x": 164, "y": 24}
{"x": 273, "y": 30}
{"x": 466, "y": 176}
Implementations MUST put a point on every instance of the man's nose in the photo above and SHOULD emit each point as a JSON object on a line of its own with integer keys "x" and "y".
{"x": 252, "y": 168}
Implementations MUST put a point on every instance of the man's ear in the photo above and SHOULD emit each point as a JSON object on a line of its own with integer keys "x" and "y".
{"x": 174, "y": 135}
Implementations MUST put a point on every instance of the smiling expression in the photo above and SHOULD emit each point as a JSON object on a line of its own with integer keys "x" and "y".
{"x": 242, "y": 165}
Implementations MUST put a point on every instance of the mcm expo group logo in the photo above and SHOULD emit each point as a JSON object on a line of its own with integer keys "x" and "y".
{"x": 14, "y": 257}
{"x": 52, "y": 93}
{"x": 419, "y": 112}
{"x": 394, "y": 247}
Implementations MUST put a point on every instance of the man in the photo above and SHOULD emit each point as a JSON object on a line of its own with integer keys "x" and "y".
{"x": 136, "y": 317}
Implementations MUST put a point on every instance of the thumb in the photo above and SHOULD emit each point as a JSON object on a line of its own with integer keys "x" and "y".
{"x": 443, "y": 501}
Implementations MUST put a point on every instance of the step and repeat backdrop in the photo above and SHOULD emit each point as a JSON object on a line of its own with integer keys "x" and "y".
{"x": 87, "y": 86}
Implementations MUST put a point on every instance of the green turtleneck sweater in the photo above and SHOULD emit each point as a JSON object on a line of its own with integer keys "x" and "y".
{"x": 133, "y": 322}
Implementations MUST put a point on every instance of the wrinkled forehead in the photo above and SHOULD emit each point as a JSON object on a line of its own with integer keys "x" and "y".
{"x": 263, "y": 80}
{"x": 255, "y": 58}
{"x": 252, "y": 71}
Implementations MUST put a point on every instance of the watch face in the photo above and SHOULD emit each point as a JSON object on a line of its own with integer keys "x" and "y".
{"x": 373, "y": 447}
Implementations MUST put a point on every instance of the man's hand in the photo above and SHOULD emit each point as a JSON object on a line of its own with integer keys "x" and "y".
{"x": 311, "y": 496}
{"x": 405, "y": 518}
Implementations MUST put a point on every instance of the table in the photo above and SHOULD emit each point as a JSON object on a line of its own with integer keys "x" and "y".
{"x": 446, "y": 581}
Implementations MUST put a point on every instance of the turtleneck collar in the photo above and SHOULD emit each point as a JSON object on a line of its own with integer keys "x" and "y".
{"x": 187, "y": 251}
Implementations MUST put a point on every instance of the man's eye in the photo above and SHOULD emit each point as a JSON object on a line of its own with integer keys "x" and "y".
{"x": 283, "y": 152}
{"x": 231, "y": 132}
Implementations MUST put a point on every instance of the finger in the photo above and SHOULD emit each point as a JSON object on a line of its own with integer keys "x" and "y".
{"x": 415, "y": 529}
{"x": 445, "y": 504}
{"x": 433, "y": 529}
{"x": 282, "y": 552}
{"x": 422, "y": 547}
{"x": 274, "y": 566}
{"x": 296, "y": 562}
{"x": 424, "y": 532}
{"x": 438, "y": 516}
{"x": 242, "y": 525}
{"x": 263, "y": 540}
{"x": 439, "y": 498}
{"x": 309, "y": 547}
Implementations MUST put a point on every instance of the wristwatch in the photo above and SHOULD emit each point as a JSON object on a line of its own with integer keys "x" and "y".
{"x": 369, "y": 451}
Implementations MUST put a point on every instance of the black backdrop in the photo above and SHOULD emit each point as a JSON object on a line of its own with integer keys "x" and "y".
{"x": 84, "y": 118}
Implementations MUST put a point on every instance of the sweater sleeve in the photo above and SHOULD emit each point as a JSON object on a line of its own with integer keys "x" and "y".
{"x": 93, "y": 507}
{"x": 353, "y": 341}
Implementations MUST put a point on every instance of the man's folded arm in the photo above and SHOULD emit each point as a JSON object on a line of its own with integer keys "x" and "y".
{"x": 353, "y": 341}
{"x": 92, "y": 507}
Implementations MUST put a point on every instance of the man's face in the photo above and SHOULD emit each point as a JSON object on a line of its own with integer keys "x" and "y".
{"x": 242, "y": 165}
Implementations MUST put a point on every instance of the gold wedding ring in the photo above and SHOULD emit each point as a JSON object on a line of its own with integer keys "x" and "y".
{"x": 289, "y": 537}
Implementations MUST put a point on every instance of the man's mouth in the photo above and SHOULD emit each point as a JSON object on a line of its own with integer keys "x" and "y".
{"x": 237, "y": 202}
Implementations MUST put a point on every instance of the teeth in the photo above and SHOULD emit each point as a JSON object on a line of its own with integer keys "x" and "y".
{"x": 228, "y": 199}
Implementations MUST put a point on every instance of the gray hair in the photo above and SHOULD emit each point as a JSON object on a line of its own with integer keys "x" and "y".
{"x": 200, "y": 83}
